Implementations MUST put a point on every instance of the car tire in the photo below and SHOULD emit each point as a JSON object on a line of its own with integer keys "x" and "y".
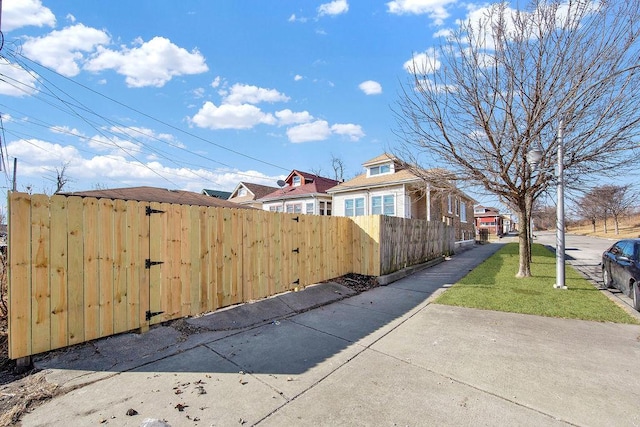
{"x": 635, "y": 296}
{"x": 606, "y": 280}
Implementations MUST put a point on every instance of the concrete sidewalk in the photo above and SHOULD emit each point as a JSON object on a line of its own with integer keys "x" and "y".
{"x": 383, "y": 357}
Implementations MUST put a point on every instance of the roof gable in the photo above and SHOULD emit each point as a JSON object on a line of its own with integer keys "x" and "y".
{"x": 256, "y": 190}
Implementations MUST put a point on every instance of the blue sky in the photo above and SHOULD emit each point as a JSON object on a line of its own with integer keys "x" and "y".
{"x": 204, "y": 94}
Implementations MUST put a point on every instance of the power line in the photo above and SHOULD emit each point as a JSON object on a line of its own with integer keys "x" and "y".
{"x": 15, "y": 54}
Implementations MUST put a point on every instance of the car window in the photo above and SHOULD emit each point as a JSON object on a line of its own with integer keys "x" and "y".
{"x": 615, "y": 249}
{"x": 626, "y": 249}
{"x": 636, "y": 255}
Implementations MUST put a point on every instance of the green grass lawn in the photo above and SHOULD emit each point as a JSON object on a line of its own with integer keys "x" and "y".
{"x": 493, "y": 286}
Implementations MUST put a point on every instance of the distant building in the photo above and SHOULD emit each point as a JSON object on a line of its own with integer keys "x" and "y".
{"x": 488, "y": 219}
{"x": 247, "y": 194}
{"x": 302, "y": 192}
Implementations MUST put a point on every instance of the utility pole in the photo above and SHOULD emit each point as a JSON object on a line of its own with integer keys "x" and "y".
{"x": 15, "y": 166}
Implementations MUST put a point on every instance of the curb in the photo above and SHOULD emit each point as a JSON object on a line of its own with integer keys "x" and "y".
{"x": 407, "y": 271}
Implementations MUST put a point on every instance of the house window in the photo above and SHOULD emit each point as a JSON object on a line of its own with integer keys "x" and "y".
{"x": 310, "y": 207}
{"x": 383, "y": 205}
{"x": 242, "y": 192}
{"x": 296, "y": 181}
{"x": 463, "y": 212}
{"x": 376, "y": 205}
{"x": 325, "y": 208}
{"x": 294, "y": 208}
{"x": 457, "y": 204}
{"x": 275, "y": 208}
{"x": 354, "y": 207}
{"x": 450, "y": 204}
{"x": 389, "y": 205}
{"x": 377, "y": 170}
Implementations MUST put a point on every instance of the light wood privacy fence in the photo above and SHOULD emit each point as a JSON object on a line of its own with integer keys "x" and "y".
{"x": 85, "y": 268}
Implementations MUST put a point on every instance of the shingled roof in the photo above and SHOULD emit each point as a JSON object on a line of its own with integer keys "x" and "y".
{"x": 155, "y": 194}
{"x": 313, "y": 184}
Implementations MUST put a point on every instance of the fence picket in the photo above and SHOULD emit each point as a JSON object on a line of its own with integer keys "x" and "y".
{"x": 75, "y": 273}
{"x": 20, "y": 343}
{"x": 58, "y": 272}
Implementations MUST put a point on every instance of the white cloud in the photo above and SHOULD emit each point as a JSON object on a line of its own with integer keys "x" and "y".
{"x": 119, "y": 170}
{"x": 22, "y": 13}
{"x": 198, "y": 92}
{"x": 240, "y": 94}
{"x": 445, "y": 32}
{"x": 288, "y": 117}
{"x": 71, "y": 18}
{"x": 436, "y": 9}
{"x": 66, "y": 130}
{"x": 336, "y": 7}
{"x": 423, "y": 63}
{"x": 114, "y": 145}
{"x": 142, "y": 132}
{"x": 64, "y": 50}
{"x": 370, "y": 87}
{"x": 354, "y": 132}
{"x": 153, "y": 63}
{"x": 216, "y": 82}
{"x": 228, "y": 116}
{"x": 298, "y": 77}
{"x": 316, "y": 131}
{"x": 320, "y": 131}
{"x": 16, "y": 81}
{"x": 294, "y": 18}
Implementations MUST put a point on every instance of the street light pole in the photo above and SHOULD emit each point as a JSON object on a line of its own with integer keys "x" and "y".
{"x": 560, "y": 279}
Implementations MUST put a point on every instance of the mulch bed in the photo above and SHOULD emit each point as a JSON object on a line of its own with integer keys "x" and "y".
{"x": 357, "y": 282}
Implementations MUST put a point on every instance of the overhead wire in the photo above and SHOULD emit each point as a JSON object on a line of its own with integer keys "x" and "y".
{"x": 123, "y": 130}
{"x": 176, "y": 128}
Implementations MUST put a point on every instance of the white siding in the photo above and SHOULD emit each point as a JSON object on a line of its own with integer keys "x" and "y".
{"x": 401, "y": 200}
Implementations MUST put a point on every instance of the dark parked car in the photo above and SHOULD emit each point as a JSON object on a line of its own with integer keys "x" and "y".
{"x": 621, "y": 268}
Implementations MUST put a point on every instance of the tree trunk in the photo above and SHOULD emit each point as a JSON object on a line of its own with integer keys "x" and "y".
{"x": 593, "y": 223}
{"x": 616, "y": 224}
{"x": 524, "y": 240}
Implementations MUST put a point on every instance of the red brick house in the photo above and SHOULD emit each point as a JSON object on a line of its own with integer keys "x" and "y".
{"x": 488, "y": 219}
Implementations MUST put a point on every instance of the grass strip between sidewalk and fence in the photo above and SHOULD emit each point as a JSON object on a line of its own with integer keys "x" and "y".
{"x": 493, "y": 286}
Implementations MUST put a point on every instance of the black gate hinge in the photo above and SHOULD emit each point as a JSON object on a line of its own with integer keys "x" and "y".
{"x": 296, "y": 219}
{"x": 296, "y": 282}
{"x": 150, "y": 211}
{"x": 296, "y": 250}
{"x": 148, "y": 263}
{"x": 151, "y": 314}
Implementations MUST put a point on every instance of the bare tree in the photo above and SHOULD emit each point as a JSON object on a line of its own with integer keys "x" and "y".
{"x": 589, "y": 208}
{"x": 61, "y": 177}
{"x": 544, "y": 217}
{"x": 502, "y": 84}
{"x": 617, "y": 200}
{"x": 338, "y": 167}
